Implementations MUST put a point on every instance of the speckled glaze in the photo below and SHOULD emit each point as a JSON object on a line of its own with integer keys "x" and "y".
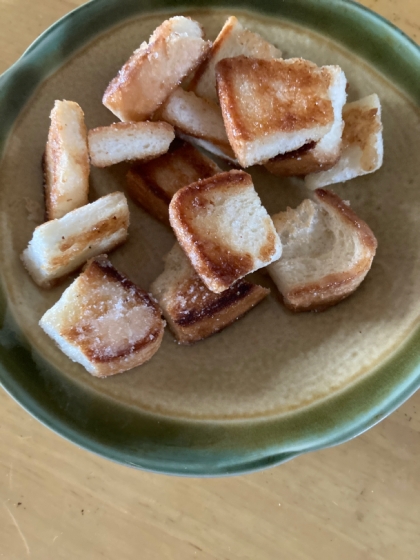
{"x": 274, "y": 384}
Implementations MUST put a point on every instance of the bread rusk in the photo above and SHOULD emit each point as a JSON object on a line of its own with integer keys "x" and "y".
{"x": 315, "y": 156}
{"x": 233, "y": 40}
{"x": 60, "y": 246}
{"x": 327, "y": 252}
{"x": 362, "y": 150}
{"x": 175, "y": 49}
{"x": 223, "y": 228}
{"x": 66, "y": 161}
{"x": 197, "y": 120}
{"x": 105, "y": 322}
{"x": 152, "y": 184}
{"x": 126, "y": 141}
{"x": 272, "y": 107}
{"x": 192, "y": 311}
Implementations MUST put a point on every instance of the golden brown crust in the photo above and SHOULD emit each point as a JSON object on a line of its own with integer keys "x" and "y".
{"x": 361, "y": 125}
{"x": 210, "y": 259}
{"x": 114, "y": 359}
{"x": 121, "y": 94}
{"x": 202, "y": 320}
{"x": 301, "y": 162}
{"x": 194, "y": 312}
{"x": 152, "y": 184}
{"x": 77, "y": 243}
{"x": 304, "y": 103}
{"x": 331, "y": 289}
{"x": 56, "y": 194}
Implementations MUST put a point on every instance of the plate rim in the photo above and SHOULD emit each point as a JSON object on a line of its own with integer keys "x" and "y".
{"x": 254, "y": 460}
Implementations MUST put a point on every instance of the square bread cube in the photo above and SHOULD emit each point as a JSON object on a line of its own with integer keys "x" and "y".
{"x": 327, "y": 252}
{"x": 272, "y": 107}
{"x": 59, "y": 247}
{"x": 66, "y": 161}
{"x": 154, "y": 70}
{"x": 194, "y": 312}
{"x": 105, "y": 322}
{"x": 315, "y": 156}
{"x": 152, "y": 184}
{"x": 223, "y": 228}
{"x": 362, "y": 150}
{"x": 233, "y": 40}
{"x": 198, "y": 120}
{"x": 129, "y": 141}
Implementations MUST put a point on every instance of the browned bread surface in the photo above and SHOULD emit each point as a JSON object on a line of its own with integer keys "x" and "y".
{"x": 66, "y": 161}
{"x": 152, "y": 184}
{"x": 327, "y": 252}
{"x": 233, "y": 40}
{"x": 104, "y": 321}
{"x": 274, "y": 106}
{"x": 222, "y": 226}
{"x": 194, "y": 312}
{"x": 58, "y": 247}
{"x": 154, "y": 70}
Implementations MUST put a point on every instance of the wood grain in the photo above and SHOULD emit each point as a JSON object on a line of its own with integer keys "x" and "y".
{"x": 359, "y": 501}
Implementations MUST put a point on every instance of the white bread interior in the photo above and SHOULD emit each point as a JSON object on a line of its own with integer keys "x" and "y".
{"x": 233, "y": 40}
{"x": 60, "y": 246}
{"x": 66, "y": 160}
{"x": 222, "y": 226}
{"x": 194, "y": 312}
{"x": 129, "y": 141}
{"x": 327, "y": 252}
{"x": 105, "y": 322}
{"x": 362, "y": 150}
{"x": 175, "y": 49}
{"x": 197, "y": 119}
{"x": 276, "y": 106}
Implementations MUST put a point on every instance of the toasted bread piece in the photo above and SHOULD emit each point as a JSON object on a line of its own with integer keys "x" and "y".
{"x": 315, "y": 156}
{"x": 363, "y": 148}
{"x": 129, "y": 141}
{"x": 272, "y": 107}
{"x": 233, "y": 40}
{"x": 66, "y": 161}
{"x": 327, "y": 252}
{"x": 152, "y": 184}
{"x": 198, "y": 119}
{"x": 59, "y": 247}
{"x": 222, "y": 226}
{"x": 194, "y": 312}
{"x": 175, "y": 49}
{"x": 105, "y": 322}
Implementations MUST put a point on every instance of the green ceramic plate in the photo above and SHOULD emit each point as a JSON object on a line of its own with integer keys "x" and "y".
{"x": 274, "y": 385}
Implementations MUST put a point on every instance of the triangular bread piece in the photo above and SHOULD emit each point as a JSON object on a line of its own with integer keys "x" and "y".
{"x": 233, "y": 40}
{"x": 105, "y": 322}
{"x": 272, "y": 107}
{"x": 224, "y": 229}
{"x": 194, "y": 312}
{"x": 327, "y": 252}
{"x": 154, "y": 70}
{"x": 153, "y": 184}
{"x": 362, "y": 150}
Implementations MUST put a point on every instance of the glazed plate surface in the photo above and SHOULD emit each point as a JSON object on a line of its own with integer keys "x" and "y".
{"x": 274, "y": 384}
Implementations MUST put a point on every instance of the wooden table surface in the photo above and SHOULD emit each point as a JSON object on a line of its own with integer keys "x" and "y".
{"x": 360, "y": 500}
